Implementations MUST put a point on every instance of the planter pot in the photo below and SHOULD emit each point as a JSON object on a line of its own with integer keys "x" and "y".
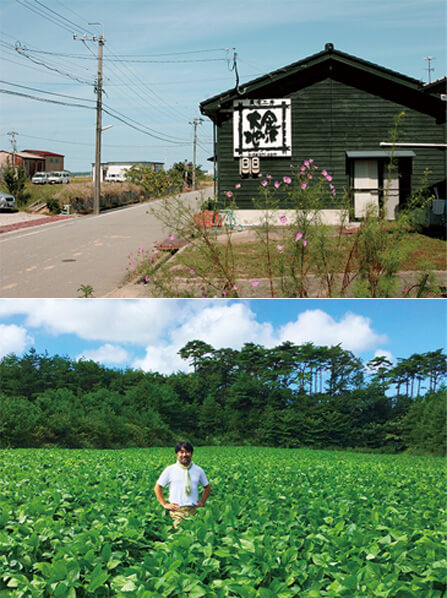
{"x": 207, "y": 219}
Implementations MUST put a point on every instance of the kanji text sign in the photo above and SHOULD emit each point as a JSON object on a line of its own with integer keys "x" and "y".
{"x": 262, "y": 128}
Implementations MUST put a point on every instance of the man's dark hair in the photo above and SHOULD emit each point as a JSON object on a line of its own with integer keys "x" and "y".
{"x": 187, "y": 446}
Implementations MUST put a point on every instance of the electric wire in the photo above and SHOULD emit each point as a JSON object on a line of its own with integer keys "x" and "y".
{"x": 61, "y": 21}
{"x": 28, "y": 96}
{"x": 36, "y": 11}
{"x": 68, "y": 142}
{"x": 138, "y": 123}
{"x": 62, "y": 95}
{"x": 58, "y": 19}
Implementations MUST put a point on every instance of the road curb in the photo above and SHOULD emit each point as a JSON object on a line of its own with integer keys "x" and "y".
{"x": 6, "y": 228}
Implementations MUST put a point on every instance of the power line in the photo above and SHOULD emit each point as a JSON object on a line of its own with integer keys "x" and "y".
{"x": 57, "y": 19}
{"x": 141, "y": 130}
{"x": 142, "y": 125}
{"x": 40, "y": 14}
{"x": 69, "y": 142}
{"x": 62, "y": 95}
{"x": 30, "y": 97}
{"x": 22, "y": 52}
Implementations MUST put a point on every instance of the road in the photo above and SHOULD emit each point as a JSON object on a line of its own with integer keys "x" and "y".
{"x": 54, "y": 260}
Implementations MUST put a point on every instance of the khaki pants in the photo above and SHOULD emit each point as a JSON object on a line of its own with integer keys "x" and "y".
{"x": 181, "y": 514}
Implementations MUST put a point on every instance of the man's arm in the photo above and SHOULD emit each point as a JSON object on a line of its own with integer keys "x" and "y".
{"x": 206, "y": 493}
{"x": 161, "y": 499}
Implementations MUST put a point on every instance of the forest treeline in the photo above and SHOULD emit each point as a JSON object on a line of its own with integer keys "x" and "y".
{"x": 289, "y": 396}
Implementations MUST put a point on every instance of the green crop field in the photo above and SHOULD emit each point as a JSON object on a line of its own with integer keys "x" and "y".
{"x": 279, "y": 523}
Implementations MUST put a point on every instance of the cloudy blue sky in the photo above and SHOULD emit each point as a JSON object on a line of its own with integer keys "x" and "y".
{"x": 181, "y": 49}
{"x": 148, "y": 334}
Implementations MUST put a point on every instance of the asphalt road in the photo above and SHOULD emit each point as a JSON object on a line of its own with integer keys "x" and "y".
{"x": 54, "y": 260}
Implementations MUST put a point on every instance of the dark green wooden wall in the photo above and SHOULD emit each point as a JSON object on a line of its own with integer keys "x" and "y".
{"x": 330, "y": 117}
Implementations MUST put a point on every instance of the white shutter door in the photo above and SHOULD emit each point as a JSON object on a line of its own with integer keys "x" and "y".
{"x": 366, "y": 186}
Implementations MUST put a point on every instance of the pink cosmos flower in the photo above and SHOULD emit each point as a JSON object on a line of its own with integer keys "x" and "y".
{"x": 283, "y": 219}
{"x": 287, "y": 180}
{"x": 154, "y": 278}
{"x": 324, "y": 172}
{"x": 302, "y": 168}
{"x": 276, "y": 184}
{"x": 141, "y": 249}
{"x": 254, "y": 283}
{"x": 238, "y": 185}
{"x": 269, "y": 176}
{"x": 280, "y": 248}
{"x": 309, "y": 176}
{"x": 329, "y": 178}
{"x": 304, "y": 242}
{"x": 224, "y": 292}
{"x": 298, "y": 236}
{"x": 306, "y": 163}
{"x": 229, "y": 194}
{"x": 311, "y": 160}
{"x": 303, "y": 185}
{"x": 192, "y": 271}
{"x": 235, "y": 287}
{"x": 147, "y": 279}
{"x": 264, "y": 183}
{"x": 171, "y": 237}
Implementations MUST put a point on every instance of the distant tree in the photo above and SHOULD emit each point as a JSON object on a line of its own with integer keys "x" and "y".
{"x": 154, "y": 183}
{"x": 15, "y": 179}
{"x": 197, "y": 353}
{"x": 184, "y": 170}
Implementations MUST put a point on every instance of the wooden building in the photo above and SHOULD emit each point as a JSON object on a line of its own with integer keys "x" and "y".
{"x": 337, "y": 110}
{"x": 52, "y": 162}
{"x": 30, "y": 162}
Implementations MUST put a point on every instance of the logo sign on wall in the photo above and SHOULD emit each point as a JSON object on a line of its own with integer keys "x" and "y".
{"x": 262, "y": 128}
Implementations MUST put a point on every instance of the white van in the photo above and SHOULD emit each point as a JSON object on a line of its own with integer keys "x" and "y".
{"x": 40, "y": 178}
{"x": 115, "y": 177}
{"x": 59, "y": 177}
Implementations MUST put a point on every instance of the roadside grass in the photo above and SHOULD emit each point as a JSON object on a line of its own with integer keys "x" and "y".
{"x": 421, "y": 251}
{"x": 43, "y": 193}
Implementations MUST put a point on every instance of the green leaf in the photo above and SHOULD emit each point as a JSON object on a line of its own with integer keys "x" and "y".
{"x": 99, "y": 577}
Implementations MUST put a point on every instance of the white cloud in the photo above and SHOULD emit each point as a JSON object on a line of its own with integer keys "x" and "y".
{"x": 218, "y": 323}
{"x": 164, "y": 326}
{"x": 384, "y": 353}
{"x": 162, "y": 359}
{"x": 135, "y": 321}
{"x": 354, "y": 332}
{"x": 13, "y": 339}
{"x": 106, "y": 354}
{"x": 224, "y": 325}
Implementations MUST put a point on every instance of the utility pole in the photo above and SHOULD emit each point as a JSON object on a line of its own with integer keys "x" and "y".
{"x": 196, "y": 121}
{"x": 13, "y": 134}
{"x": 429, "y": 67}
{"x": 100, "y": 39}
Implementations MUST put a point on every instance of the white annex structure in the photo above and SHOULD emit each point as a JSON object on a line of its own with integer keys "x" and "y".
{"x": 115, "y": 171}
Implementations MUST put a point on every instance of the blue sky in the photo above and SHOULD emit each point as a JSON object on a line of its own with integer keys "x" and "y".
{"x": 165, "y": 95}
{"x": 147, "y": 334}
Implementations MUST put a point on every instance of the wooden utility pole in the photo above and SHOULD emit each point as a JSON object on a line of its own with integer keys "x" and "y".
{"x": 97, "y": 188}
{"x": 196, "y": 121}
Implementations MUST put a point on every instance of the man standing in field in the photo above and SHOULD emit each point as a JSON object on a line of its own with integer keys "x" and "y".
{"x": 183, "y": 479}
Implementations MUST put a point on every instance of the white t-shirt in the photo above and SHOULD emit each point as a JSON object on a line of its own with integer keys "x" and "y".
{"x": 174, "y": 476}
